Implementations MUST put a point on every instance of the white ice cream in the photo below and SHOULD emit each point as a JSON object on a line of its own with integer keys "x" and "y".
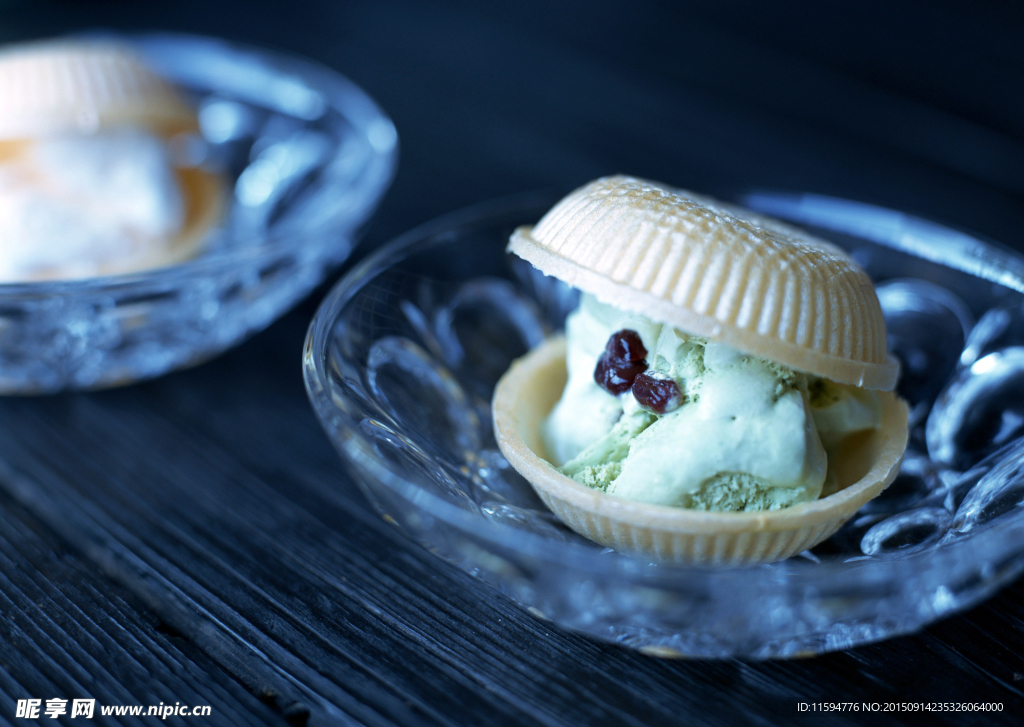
{"x": 78, "y": 205}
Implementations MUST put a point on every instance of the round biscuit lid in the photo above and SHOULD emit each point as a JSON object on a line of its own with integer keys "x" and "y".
{"x": 57, "y": 86}
{"x": 716, "y": 271}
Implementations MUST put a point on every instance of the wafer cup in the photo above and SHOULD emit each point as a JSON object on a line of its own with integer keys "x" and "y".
{"x": 721, "y": 273}
{"x": 59, "y": 86}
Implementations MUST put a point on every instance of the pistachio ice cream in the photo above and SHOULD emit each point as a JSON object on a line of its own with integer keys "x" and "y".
{"x": 741, "y": 434}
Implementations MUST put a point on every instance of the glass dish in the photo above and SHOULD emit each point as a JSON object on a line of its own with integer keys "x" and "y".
{"x": 402, "y": 357}
{"x": 307, "y": 156}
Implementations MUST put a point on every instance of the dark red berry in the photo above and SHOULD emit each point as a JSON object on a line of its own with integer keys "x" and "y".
{"x": 616, "y": 377}
{"x": 625, "y": 345}
{"x": 660, "y": 395}
{"x": 623, "y": 358}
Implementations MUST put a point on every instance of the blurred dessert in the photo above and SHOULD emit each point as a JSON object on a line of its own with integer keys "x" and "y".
{"x": 89, "y": 183}
{"x": 723, "y": 393}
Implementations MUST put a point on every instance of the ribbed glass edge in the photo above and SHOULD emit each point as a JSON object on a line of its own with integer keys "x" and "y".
{"x": 897, "y": 230}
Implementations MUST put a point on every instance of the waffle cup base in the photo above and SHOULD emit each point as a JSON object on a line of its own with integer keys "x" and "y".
{"x": 528, "y": 392}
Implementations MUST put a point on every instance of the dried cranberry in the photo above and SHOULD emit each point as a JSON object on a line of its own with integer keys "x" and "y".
{"x": 660, "y": 395}
{"x": 625, "y": 345}
{"x": 623, "y": 359}
{"x": 616, "y": 377}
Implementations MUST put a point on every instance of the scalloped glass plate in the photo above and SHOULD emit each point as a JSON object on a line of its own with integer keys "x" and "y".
{"x": 307, "y": 156}
{"x": 402, "y": 357}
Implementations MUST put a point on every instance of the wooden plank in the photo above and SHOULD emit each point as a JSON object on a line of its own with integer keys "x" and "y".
{"x": 67, "y": 633}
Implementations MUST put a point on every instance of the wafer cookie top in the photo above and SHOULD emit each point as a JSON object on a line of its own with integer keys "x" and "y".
{"x": 716, "y": 271}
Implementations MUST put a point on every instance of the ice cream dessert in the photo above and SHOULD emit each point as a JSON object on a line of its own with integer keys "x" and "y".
{"x": 723, "y": 392}
{"x": 89, "y": 182}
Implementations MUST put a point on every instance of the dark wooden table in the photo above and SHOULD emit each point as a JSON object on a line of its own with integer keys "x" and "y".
{"x": 194, "y": 539}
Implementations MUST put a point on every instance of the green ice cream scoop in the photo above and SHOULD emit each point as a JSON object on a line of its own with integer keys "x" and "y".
{"x": 743, "y": 437}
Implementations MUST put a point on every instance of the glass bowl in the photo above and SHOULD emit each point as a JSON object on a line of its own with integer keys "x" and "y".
{"x": 400, "y": 364}
{"x": 307, "y": 156}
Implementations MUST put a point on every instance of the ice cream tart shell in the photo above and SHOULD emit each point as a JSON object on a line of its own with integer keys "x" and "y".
{"x": 528, "y": 392}
{"x": 60, "y": 86}
{"x": 719, "y": 272}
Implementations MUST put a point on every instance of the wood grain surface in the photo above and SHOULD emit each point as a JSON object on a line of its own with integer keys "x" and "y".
{"x": 195, "y": 539}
